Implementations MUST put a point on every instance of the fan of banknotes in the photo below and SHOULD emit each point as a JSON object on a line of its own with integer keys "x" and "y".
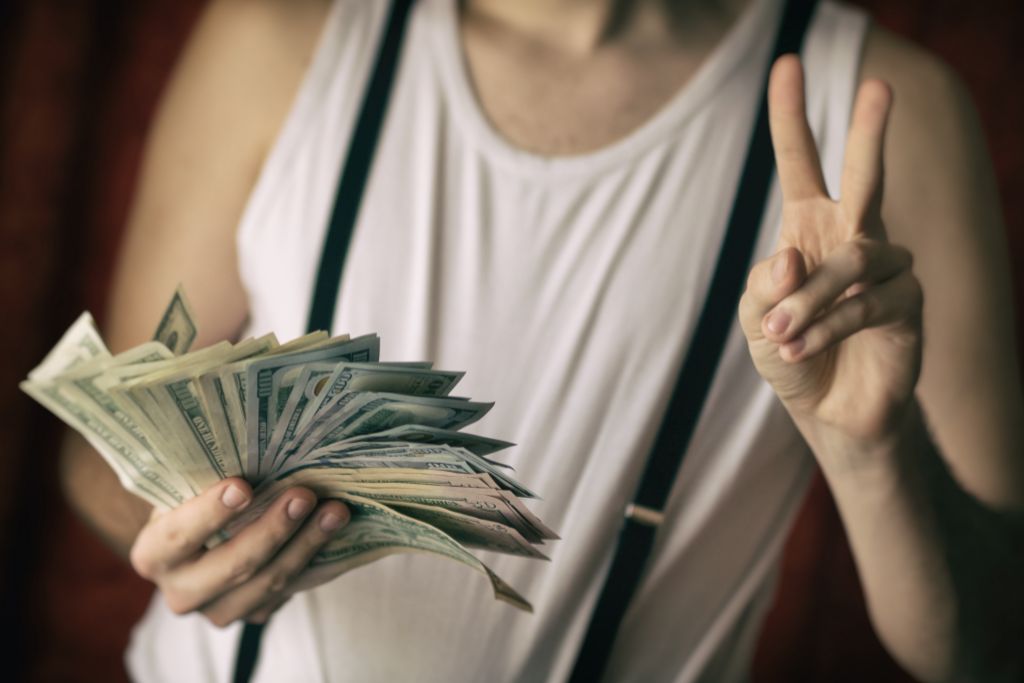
{"x": 320, "y": 412}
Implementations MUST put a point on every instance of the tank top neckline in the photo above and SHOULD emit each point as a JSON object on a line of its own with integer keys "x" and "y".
{"x": 745, "y": 40}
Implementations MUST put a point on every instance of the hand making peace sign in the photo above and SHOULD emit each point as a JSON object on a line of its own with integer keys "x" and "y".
{"x": 833, "y": 319}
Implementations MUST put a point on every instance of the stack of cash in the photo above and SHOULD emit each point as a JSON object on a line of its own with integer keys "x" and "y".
{"x": 319, "y": 412}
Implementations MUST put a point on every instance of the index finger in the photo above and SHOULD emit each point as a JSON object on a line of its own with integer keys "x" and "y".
{"x": 796, "y": 154}
{"x": 179, "y": 534}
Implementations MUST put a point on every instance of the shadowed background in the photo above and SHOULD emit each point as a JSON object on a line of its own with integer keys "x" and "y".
{"x": 79, "y": 82}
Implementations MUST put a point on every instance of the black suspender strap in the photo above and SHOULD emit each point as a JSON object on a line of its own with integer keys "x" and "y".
{"x": 339, "y": 232}
{"x": 636, "y": 538}
{"x": 357, "y": 168}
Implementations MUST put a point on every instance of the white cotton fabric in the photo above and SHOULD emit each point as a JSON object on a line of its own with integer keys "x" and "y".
{"x": 568, "y": 289}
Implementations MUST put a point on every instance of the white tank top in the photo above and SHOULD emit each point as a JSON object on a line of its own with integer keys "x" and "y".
{"x": 568, "y": 289}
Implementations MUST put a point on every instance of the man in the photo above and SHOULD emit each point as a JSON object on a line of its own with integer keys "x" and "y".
{"x": 558, "y": 96}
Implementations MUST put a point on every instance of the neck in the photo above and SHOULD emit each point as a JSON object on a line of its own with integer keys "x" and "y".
{"x": 583, "y": 26}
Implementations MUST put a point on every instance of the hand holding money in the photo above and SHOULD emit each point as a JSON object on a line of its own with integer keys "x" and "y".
{"x": 235, "y": 444}
{"x": 247, "y": 577}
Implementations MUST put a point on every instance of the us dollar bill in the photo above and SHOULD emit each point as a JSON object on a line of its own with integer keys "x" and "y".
{"x": 480, "y": 445}
{"x": 322, "y": 382}
{"x": 178, "y": 398}
{"x": 376, "y": 530}
{"x": 177, "y": 328}
{"x": 80, "y": 344}
{"x": 355, "y": 413}
{"x": 318, "y": 411}
{"x": 259, "y": 387}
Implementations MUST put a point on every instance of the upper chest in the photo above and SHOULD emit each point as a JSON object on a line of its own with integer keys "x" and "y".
{"x": 552, "y": 102}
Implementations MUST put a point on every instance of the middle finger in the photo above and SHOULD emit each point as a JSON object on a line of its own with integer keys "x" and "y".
{"x": 272, "y": 582}
{"x": 235, "y": 561}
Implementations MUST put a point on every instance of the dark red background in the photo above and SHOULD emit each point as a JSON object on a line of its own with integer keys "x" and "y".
{"x": 78, "y": 84}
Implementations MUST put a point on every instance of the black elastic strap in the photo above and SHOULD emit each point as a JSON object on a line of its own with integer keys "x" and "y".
{"x": 357, "y": 168}
{"x": 248, "y": 652}
{"x": 636, "y": 539}
{"x": 339, "y": 232}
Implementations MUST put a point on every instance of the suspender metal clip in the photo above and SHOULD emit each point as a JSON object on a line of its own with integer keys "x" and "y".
{"x": 644, "y": 515}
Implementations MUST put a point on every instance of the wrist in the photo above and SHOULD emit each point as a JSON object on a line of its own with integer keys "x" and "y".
{"x": 883, "y": 453}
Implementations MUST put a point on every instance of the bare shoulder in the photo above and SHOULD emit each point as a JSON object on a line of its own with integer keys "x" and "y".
{"x": 255, "y": 51}
{"x": 906, "y": 65}
{"x": 220, "y": 112}
{"x": 935, "y": 138}
{"x": 940, "y": 200}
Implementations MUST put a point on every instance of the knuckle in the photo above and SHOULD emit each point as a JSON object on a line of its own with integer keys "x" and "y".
{"x": 859, "y": 254}
{"x": 260, "y": 617}
{"x": 242, "y": 569}
{"x": 218, "y": 618}
{"x": 754, "y": 277}
{"x": 319, "y": 537}
{"x": 178, "y": 603}
{"x": 141, "y": 562}
{"x": 798, "y": 305}
{"x": 175, "y": 540}
{"x": 277, "y": 581}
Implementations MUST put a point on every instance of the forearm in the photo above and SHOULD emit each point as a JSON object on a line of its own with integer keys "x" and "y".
{"x": 941, "y": 572}
{"x": 93, "y": 490}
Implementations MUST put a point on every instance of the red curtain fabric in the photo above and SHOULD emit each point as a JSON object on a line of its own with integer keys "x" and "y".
{"x": 78, "y": 85}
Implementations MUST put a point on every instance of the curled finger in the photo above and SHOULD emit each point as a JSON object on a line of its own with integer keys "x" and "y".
{"x": 178, "y": 535}
{"x": 274, "y": 580}
{"x": 894, "y": 301}
{"x": 237, "y": 560}
{"x": 849, "y": 267}
{"x": 768, "y": 283}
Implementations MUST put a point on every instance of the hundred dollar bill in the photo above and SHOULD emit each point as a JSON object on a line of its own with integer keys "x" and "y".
{"x": 79, "y": 387}
{"x": 480, "y": 445}
{"x": 355, "y": 448}
{"x": 438, "y": 464}
{"x": 175, "y": 393}
{"x": 472, "y": 531}
{"x": 496, "y": 506}
{"x": 126, "y": 387}
{"x": 376, "y": 531}
{"x": 403, "y": 379}
{"x": 467, "y": 529}
{"x": 232, "y": 391}
{"x": 356, "y": 413}
{"x": 332, "y": 388}
{"x": 133, "y": 474}
{"x": 291, "y": 378}
{"x": 79, "y": 346}
{"x": 313, "y": 388}
{"x": 177, "y": 328}
{"x": 319, "y": 412}
{"x": 209, "y": 387}
{"x": 81, "y": 343}
{"x": 291, "y": 394}
{"x": 259, "y": 385}
{"x": 366, "y": 472}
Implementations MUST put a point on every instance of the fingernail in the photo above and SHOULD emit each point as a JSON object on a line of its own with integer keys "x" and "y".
{"x": 779, "y": 268}
{"x": 329, "y": 521}
{"x": 233, "y": 497}
{"x": 298, "y": 508}
{"x": 778, "y": 322}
